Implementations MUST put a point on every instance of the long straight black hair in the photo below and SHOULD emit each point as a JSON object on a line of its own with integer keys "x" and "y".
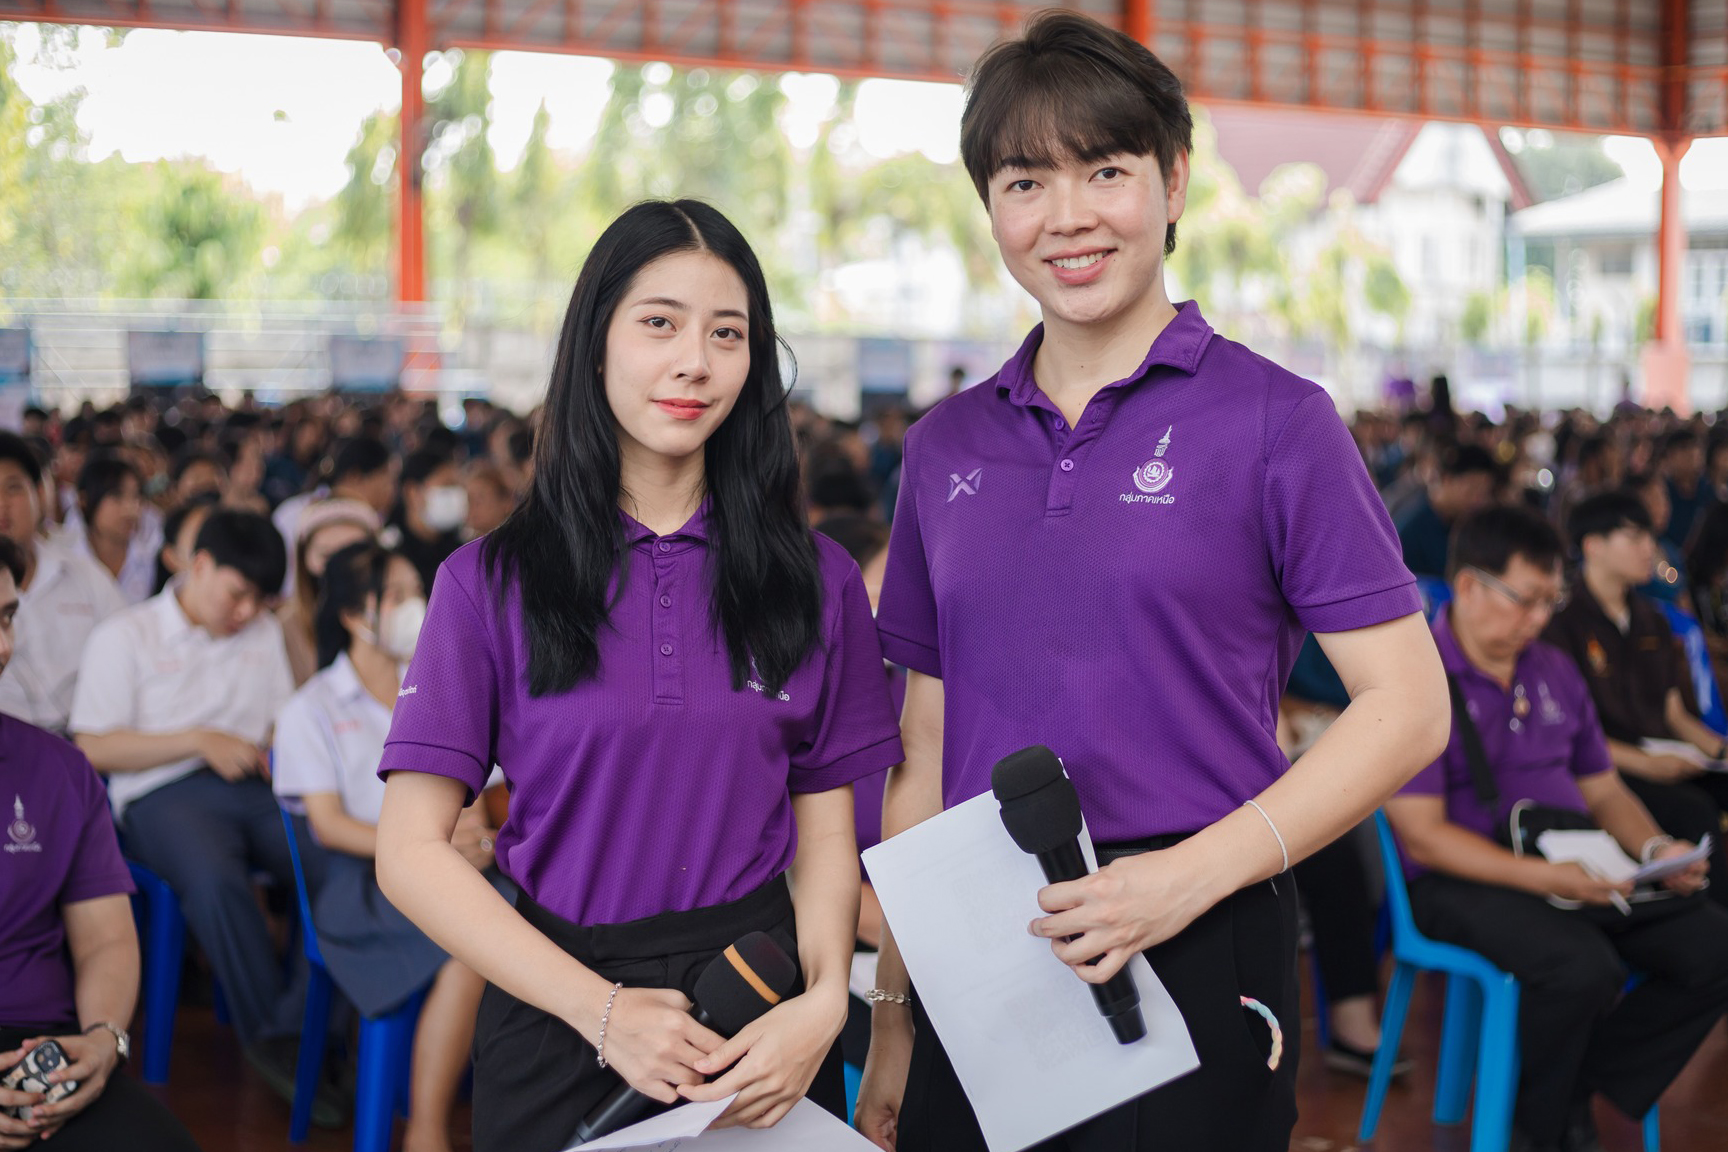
{"x": 565, "y": 544}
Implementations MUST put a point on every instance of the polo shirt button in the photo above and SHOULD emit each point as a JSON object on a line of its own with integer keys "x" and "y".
{"x": 1067, "y": 465}
{"x": 1059, "y": 424}
{"x": 665, "y": 601}
{"x": 665, "y": 547}
{"x": 665, "y": 649}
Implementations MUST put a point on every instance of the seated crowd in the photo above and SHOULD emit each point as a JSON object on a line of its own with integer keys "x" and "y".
{"x": 212, "y": 608}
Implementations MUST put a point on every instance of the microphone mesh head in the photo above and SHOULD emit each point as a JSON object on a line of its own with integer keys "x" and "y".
{"x": 1040, "y": 807}
{"x": 745, "y": 981}
{"x": 1023, "y": 772}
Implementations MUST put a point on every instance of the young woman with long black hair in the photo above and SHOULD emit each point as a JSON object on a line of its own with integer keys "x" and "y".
{"x": 679, "y": 683}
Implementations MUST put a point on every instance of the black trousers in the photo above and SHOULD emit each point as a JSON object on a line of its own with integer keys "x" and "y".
{"x": 1334, "y": 887}
{"x": 535, "y": 1077}
{"x": 1688, "y": 809}
{"x": 124, "y": 1116}
{"x": 1245, "y": 946}
{"x": 1578, "y": 1030}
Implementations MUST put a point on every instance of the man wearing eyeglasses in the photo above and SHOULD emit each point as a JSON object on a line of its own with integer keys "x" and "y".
{"x": 1541, "y": 742}
{"x": 1637, "y": 673}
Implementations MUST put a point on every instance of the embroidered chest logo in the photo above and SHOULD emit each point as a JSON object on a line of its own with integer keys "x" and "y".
{"x": 1153, "y": 477}
{"x": 966, "y": 485}
{"x": 1598, "y": 658}
{"x": 1549, "y": 710}
{"x": 20, "y": 833}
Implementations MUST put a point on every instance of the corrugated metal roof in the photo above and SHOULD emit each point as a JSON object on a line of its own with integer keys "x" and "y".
{"x": 1591, "y": 65}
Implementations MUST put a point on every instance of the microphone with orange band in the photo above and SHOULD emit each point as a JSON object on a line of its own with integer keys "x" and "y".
{"x": 738, "y": 986}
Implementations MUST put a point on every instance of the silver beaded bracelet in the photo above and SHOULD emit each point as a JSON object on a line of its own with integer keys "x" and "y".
{"x": 883, "y": 996}
{"x": 605, "y": 1018}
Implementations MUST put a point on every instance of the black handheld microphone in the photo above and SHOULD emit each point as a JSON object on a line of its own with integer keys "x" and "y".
{"x": 1041, "y": 811}
{"x": 738, "y": 986}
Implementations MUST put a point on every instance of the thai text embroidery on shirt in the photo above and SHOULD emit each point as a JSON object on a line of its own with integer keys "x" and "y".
{"x": 408, "y": 691}
{"x": 760, "y": 688}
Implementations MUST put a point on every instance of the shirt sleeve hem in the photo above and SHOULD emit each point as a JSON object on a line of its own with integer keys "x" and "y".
{"x": 911, "y": 654}
{"x": 854, "y": 766}
{"x": 408, "y": 756}
{"x": 96, "y": 887}
{"x": 1363, "y": 611}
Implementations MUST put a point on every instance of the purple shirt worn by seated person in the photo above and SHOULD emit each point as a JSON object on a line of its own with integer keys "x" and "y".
{"x": 1133, "y": 591}
{"x": 1538, "y": 756}
{"x": 59, "y": 848}
{"x": 653, "y": 787}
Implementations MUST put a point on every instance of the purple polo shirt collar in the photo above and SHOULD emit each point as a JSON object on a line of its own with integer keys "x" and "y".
{"x": 1180, "y": 345}
{"x": 694, "y": 530}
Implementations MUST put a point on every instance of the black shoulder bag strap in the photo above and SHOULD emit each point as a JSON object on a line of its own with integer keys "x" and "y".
{"x": 1481, "y": 776}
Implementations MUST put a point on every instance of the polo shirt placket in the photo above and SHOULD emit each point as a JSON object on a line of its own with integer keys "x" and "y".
{"x": 665, "y": 605}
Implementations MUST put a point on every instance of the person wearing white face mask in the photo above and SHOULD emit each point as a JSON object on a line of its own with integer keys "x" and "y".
{"x": 429, "y": 520}
{"x": 329, "y": 738}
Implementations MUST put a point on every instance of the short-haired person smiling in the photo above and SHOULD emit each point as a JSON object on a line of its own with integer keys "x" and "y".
{"x": 1114, "y": 547}
{"x": 680, "y": 685}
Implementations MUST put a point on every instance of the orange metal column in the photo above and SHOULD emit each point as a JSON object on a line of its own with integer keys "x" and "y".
{"x": 1666, "y": 365}
{"x": 411, "y": 42}
{"x": 1137, "y": 20}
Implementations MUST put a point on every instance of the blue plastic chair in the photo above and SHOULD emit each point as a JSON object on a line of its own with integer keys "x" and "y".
{"x": 1691, "y": 636}
{"x": 386, "y": 1042}
{"x": 1478, "y": 1032}
{"x": 1435, "y": 593}
{"x": 162, "y": 930}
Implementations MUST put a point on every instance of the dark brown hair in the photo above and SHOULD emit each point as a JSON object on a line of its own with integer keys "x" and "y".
{"x": 1071, "y": 89}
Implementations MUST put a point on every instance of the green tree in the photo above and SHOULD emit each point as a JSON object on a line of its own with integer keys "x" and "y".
{"x": 461, "y": 174}
{"x": 198, "y": 235}
{"x": 365, "y": 208}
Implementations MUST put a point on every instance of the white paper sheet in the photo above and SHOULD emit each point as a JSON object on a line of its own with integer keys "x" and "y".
{"x": 1022, "y": 1031}
{"x": 1686, "y": 751}
{"x": 862, "y": 978}
{"x": 666, "y": 1131}
{"x": 806, "y": 1128}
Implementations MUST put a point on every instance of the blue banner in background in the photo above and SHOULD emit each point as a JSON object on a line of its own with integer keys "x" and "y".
{"x": 14, "y": 377}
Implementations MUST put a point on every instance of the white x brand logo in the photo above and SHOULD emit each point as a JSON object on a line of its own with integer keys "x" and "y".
{"x": 968, "y": 484}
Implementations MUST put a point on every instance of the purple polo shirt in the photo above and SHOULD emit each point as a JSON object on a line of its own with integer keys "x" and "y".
{"x": 1538, "y": 756}
{"x": 867, "y": 792}
{"x": 58, "y": 848}
{"x": 1133, "y": 591}
{"x": 653, "y": 787}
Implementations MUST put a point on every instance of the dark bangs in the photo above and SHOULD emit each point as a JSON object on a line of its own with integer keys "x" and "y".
{"x": 1071, "y": 89}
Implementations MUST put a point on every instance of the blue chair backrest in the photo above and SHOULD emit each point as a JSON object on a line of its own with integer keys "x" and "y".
{"x": 1691, "y": 636}
{"x": 1397, "y": 895}
{"x": 1435, "y": 593}
{"x": 308, "y": 935}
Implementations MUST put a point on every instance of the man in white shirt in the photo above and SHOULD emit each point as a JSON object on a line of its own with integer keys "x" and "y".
{"x": 174, "y": 703}
{"x": 64, "y": 596}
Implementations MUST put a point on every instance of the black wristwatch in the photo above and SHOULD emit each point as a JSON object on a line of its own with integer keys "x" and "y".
{"x": 122, "y": 1042}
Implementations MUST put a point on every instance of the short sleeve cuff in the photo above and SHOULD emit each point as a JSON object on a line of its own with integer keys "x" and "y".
{"x": 407, "y": 756}
{"x": 1362, "y": 611}
{"x": 878, "y": 757}
{"x": 95, "y": 887}
{"x": 910, "y": 654}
